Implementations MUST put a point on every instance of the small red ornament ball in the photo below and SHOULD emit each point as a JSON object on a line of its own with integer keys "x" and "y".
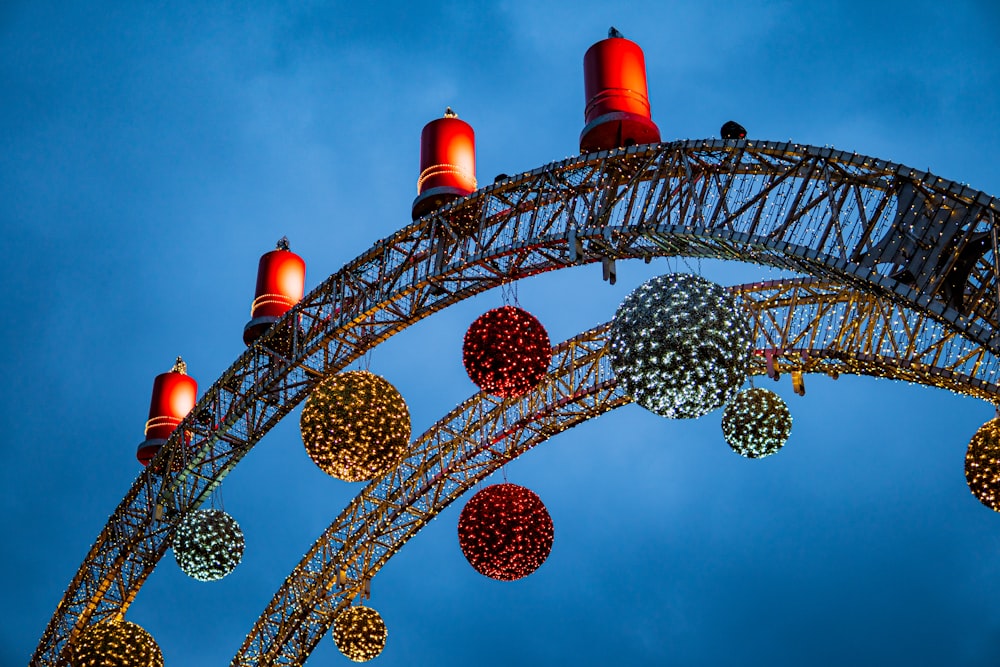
{"x": 506, "y": 352}
{"x": 505, "y": 532}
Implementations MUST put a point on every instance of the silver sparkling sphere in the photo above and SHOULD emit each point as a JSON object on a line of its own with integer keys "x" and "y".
{"x": 756, "y": 423}
{"x": 680, "y": 346}
{"x": 208, "y": 544}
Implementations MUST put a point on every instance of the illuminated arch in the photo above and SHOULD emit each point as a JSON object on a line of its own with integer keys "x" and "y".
{"x": 910, "y": 237}
{"x": 804, "y": 325}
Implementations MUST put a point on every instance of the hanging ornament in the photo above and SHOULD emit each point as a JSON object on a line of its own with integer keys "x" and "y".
{"x": 355, "y": 426}
{"x": 115, "y": 644}
{"x": 505, "y": 532}
{"x": 506, "y": 352}
{"x": 756, "y": 423}
{"x": 680, "y": 346}
{"x": 982, "y": 464}
{"x": 360, "y": 633}
{"x": 208, "y": 544}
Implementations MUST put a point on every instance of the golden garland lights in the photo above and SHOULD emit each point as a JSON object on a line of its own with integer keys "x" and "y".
{"x": 355, "y": 426}
{"x": 506, "y": 352}
{"x": 505, "y": 532}
{"x": 360, "y": 633}
{"x": 679, "y": 346}
{"x": 982, "y": 464}
{"x": 756, "y": 423}
{"x": 208, "y": 544}
{"x": 115, "y": 644}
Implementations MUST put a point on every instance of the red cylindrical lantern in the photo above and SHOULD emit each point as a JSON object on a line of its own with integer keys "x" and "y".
{"x": 505, "y": 532}
{"x": 447, "y": 163}
{"x": 281, "y": 282}
{"x": 174, "y": 394}
{"x": 617, "y": 112}
{"x": 506, "y": 352}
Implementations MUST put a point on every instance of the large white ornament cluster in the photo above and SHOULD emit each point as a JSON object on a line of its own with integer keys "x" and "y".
{"x": 680, "y": 346}
{"x": 756, "y": 423}
{"x": 208, "y": 544}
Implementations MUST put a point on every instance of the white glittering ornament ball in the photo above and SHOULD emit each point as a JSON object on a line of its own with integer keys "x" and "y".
{"x": 208, "y": 544}
{"x": 680, "y": 346}
{"x": 756, "y": 423}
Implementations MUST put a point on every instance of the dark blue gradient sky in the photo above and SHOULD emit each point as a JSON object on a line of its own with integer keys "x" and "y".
{"x": 150, "y": 152}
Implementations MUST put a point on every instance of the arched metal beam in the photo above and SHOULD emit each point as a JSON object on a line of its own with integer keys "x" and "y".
{"x": 804, "y": 325}
{"x": 916, "y": 239}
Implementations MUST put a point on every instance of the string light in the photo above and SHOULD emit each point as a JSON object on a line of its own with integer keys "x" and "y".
{"x": 208, "y": 544}
{"x": 982, "y": 464}
{"x": 505, "y": 532}
{"x": 355, "y": 426}
{"x": 756, "y": 423}
{"x": 115, "y": 644}
{"x": 679, "y": 346}
{"x": 506, "y": 352}
{"x": 360, "y": 633}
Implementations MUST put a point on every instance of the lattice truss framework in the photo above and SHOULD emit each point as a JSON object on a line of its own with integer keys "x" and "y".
{"x": 807, "y": 325}
{"x": 906, "y": 235}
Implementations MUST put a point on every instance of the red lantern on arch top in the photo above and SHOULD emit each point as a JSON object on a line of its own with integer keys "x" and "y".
{"x": 505, "y": 532}
{"x": 506, "y": 352}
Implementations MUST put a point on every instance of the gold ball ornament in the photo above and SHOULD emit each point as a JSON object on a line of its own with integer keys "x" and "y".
{"x": 355, "y": 426}
{"x": 115, "y": 644}
{"x": 360, "y": 633}
{"x": 982, "y": 464}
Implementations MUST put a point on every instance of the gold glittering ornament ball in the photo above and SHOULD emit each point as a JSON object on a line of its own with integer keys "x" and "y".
{"x": 680, "y": 346}
{"x": 756, "y": 423}
{"x": 360, "y": 633}
{"x": 115, "y": 644}
{"x": 355, "y": 426}
{"x": 982, "y": 464}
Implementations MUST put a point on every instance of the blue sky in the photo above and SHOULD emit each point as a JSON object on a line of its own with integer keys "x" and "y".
{"x": 149, "y": 153}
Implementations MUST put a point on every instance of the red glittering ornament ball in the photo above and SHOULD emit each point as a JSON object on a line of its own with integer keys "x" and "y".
{"x": 505, "y": 532}
{"x": 506, "y": 352}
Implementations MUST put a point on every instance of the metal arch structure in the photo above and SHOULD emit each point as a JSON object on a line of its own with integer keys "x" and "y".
{"x": 813, "y": 326}
{"x": 923, "y": 242}
{"x": 803, "y": 324}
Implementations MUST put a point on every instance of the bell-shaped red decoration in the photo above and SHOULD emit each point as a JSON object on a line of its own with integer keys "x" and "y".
{"x": 617, "y": 112}
{"x": 447, "y": 163}
{"x": 174, "y": 394}
{"x": 505, "y": 532}
{"x": 506, "y": 352}
{"x": 281, "y": 281}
